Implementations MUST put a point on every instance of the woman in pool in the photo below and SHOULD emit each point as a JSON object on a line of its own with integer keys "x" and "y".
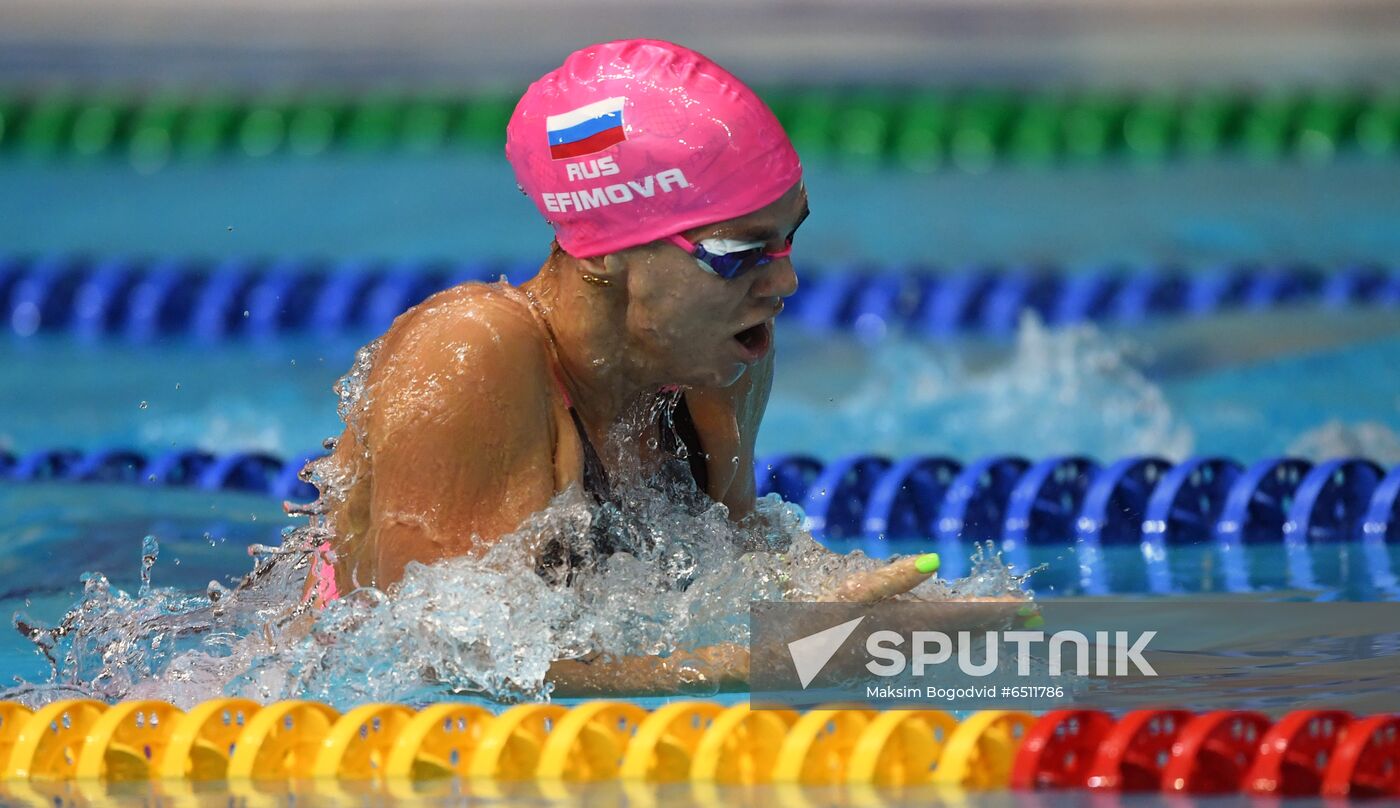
{"x": 675, "y": 197}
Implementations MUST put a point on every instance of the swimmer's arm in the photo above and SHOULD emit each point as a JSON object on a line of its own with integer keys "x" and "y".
{"x": 716, "y": 668}
{"x": 752, "y": 403}
{"x": 460, "y": 433}
{"x": 728, "y": 419}
{"x": 724, "y": 667}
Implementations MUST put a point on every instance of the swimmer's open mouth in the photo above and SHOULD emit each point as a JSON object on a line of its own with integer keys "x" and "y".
{"x": 755, "y": 339}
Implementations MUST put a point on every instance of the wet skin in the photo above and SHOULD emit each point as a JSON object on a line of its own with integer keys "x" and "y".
{"x": 463, "y": 431}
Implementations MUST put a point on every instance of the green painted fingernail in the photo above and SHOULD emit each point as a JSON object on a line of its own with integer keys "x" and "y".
{"x": 1027, "y": 610}
{"x": 1034, "y": 622}
{"x": 926, "y": 563}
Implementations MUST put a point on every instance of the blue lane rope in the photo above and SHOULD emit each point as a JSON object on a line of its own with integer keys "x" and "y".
{"x": 880, "y": 505}
{"x": 142, "y": 300}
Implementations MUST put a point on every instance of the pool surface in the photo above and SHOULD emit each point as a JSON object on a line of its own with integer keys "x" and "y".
{"x": 1244, "y": 384}
{"x": 466, "y": 207}
{"x": 1230, "y": 386}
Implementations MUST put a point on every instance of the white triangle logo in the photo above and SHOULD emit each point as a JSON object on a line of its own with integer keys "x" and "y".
{"x": 811, "y": 653}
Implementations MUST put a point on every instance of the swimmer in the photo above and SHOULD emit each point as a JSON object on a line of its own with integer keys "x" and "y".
{"x": 675, "y": 197}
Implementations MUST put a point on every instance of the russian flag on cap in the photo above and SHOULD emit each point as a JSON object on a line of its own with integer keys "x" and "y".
{"x": 588, "y": 129}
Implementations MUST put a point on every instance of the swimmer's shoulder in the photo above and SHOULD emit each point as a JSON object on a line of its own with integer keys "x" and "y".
{"x": 497, "y": 305}
{"x": 476, "y": 342}
{"x": 470, "y": 320}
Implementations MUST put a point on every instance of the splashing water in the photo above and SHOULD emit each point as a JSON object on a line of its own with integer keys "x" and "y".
{"x": 916, "y": 397}
{"x": 482, "y": 624}
{"x": 350, "y": 389}
{"x": 681, "y": 576}
{"x": 223, "y": 423}
{"x": 1369, "y": 439}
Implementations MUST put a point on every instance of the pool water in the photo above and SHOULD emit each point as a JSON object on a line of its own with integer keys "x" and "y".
{"x": 1226, "y": 386}
{"x": 1250, "y": 385}
{"x": 466, "y": 206}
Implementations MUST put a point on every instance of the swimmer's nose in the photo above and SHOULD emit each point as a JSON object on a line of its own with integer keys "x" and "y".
{"x": 776, "y": 279}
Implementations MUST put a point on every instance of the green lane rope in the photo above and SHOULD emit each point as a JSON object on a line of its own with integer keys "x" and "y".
{"x": 919, "y": 129}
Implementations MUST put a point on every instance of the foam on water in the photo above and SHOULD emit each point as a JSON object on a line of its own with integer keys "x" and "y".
{"x": 217, "y": 426}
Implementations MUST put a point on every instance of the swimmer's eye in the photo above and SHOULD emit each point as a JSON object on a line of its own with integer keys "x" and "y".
{"x": 729, "y": 258}
{"x": 732, "y": 248}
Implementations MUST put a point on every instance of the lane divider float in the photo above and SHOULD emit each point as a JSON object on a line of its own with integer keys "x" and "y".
{"x": 883, "y": 506}
{"x": 386, "y": 746}
{"x": 262, "y": 299}
{"x": 922, "y": 129}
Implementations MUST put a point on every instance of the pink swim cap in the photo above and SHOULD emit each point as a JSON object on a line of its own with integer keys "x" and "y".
{"x": 631, "y": 141}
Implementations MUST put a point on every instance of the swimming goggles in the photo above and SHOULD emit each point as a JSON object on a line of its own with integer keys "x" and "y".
{"x": 729, "y": 258}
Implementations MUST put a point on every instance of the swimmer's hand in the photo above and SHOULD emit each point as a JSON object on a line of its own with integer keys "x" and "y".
{"x": 903, "y": 574}
{"x": 704, "y": 671}
{"x": 895, "y": 578}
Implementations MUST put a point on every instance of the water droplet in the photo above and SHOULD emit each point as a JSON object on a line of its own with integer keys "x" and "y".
{"x": 144, "y": 405}
{"x": 150, "y": 550}
{"x": 294, "y": 363}
{"x": 151, "y": 478}
{"x": 245, "y": 314}
{"x": 177, "y": 385}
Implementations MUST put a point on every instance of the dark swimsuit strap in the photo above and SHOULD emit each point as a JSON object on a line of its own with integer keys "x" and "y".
{"x": 678, "y": 435}
{"x": 595, "y": 477}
